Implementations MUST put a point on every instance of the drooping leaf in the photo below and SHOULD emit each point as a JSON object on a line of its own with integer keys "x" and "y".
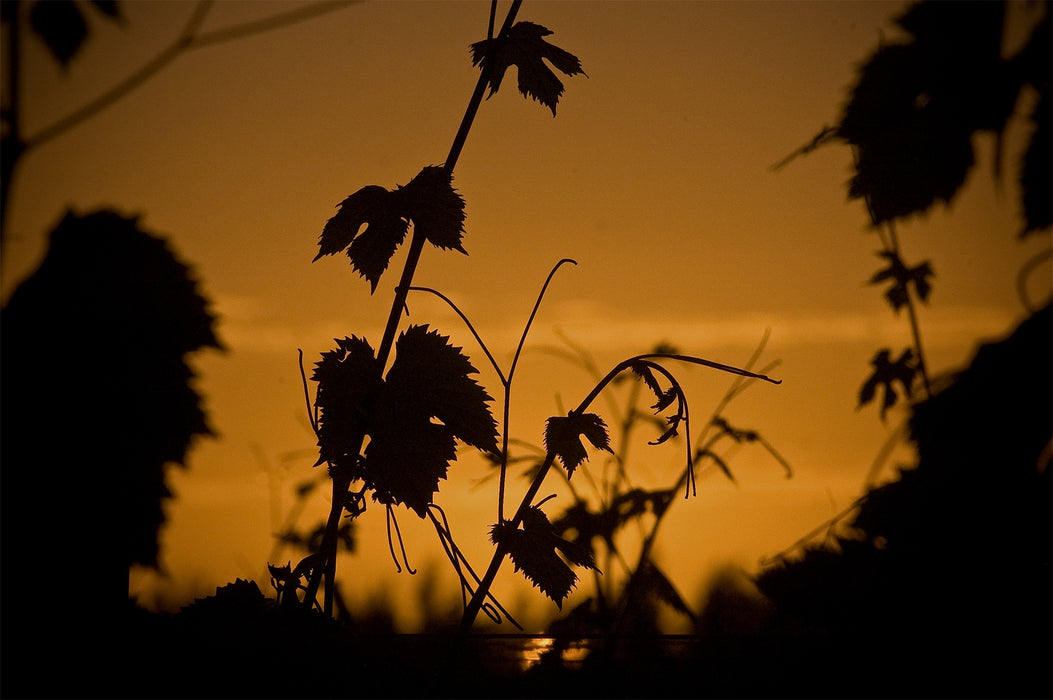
{"x": 563, "y": 437}
{"x": 535, "y": 550}
{"x": 654, "y": 581}
{"x": 665, "y": 396}
{"x": 903, "y": 277}
{"x": 717, "y": 460}
{"x": 525, "y": 48}
{"x": 348, "y": 384}
{"x": 886, "y": 373}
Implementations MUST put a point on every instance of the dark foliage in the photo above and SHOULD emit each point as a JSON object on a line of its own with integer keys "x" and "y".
{"x": 429, "y": 201}
{"x": 951, "y": 565}
{"x": 98, "y": 402}
{"x": 563, "y": 438}
{"x": 61, "y": 24}
{"x": 535, "y": 550}
{"x": 428, "y": 394}
{"x": 914, "y": 109}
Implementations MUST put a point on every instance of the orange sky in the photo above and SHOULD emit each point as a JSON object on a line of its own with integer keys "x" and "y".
{"x": 655, "y": 176}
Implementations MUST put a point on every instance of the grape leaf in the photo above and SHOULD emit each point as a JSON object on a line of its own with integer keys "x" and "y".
{"x": 562, "y": 436}
{"x": 903, "y": 277}
{"x": 436, "y": 208}
{"x": 430, "y": 379}
{"x": 885, "y": 373}
{"x": 428, "y": 401}
{"x": 535, "y": 550}
{"x": 524, "y": 48}
{"x": 348, "y": 383}
{"x": 428, "y": 200}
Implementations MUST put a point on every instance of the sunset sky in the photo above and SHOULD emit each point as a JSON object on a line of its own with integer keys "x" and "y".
{"x": 655, "y": 176}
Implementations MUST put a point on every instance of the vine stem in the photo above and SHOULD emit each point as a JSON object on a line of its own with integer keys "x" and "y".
{"x": 341, "y": 483}
{"x": 472, "y": 609}
{"x": 912, "y": 313}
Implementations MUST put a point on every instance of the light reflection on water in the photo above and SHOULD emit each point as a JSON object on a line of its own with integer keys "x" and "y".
{"x": 534, "y": 648}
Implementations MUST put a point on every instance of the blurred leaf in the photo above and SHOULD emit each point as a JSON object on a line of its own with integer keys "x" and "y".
{"x": 718, "y": 460}
{"x": 654, "y": 581}
{"x": 524, "y": 48}
{"x": 110, "y": 8}
{"x": 535, "y": 550}
{"x": 902, "y": 278}
{"x": 563, "y": 437}
{"x": 1036, "y": 170}
{"x": 886, "y": 373}
{"x": 913, "y": 110}
{"x": 60, "y": 25}
{"x": 589, "y": 524}
{"x": 429, "y": 201}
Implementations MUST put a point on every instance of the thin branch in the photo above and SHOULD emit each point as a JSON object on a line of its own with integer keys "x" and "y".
{"x": 145, "y": 72}
{"x": 188, "y": 39}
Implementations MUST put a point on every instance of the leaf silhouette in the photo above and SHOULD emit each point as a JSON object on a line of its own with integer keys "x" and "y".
{"x": 524, "y": 48}
{"x": 903, "y": 277}
{"x": 563, "y": 437}
{"x": 665, "y": 396}
{"x": 886, "y": 373}
{"x": 535, "y": 550}
{"x": 428, "y": 200}
{"x": 428, "y": 401}
{"x": 654, "y": 581}
{"x": 60, "y": 24}
{"x": 589, "y": 524}
{"x": 413, "y": 416}
{"x": 348, "y": 383}
{"x": 915, "y": 106}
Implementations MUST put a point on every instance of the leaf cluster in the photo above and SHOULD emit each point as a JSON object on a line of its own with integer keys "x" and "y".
{"x": 372, "y": 223}
{"x": 428, "y": 394}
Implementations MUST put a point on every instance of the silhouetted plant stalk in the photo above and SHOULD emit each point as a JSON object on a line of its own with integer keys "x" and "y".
{"x": 342, "y": 482}
{"x": 634, "y": 364}
{"x": 415, "y": 411}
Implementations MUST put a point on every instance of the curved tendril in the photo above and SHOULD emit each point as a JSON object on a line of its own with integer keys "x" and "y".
{"x": 467, "y": 323}
{"x": 493, "y": 609}
{"x": 402, "y": 545}
{"x": 312, "y": 411}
